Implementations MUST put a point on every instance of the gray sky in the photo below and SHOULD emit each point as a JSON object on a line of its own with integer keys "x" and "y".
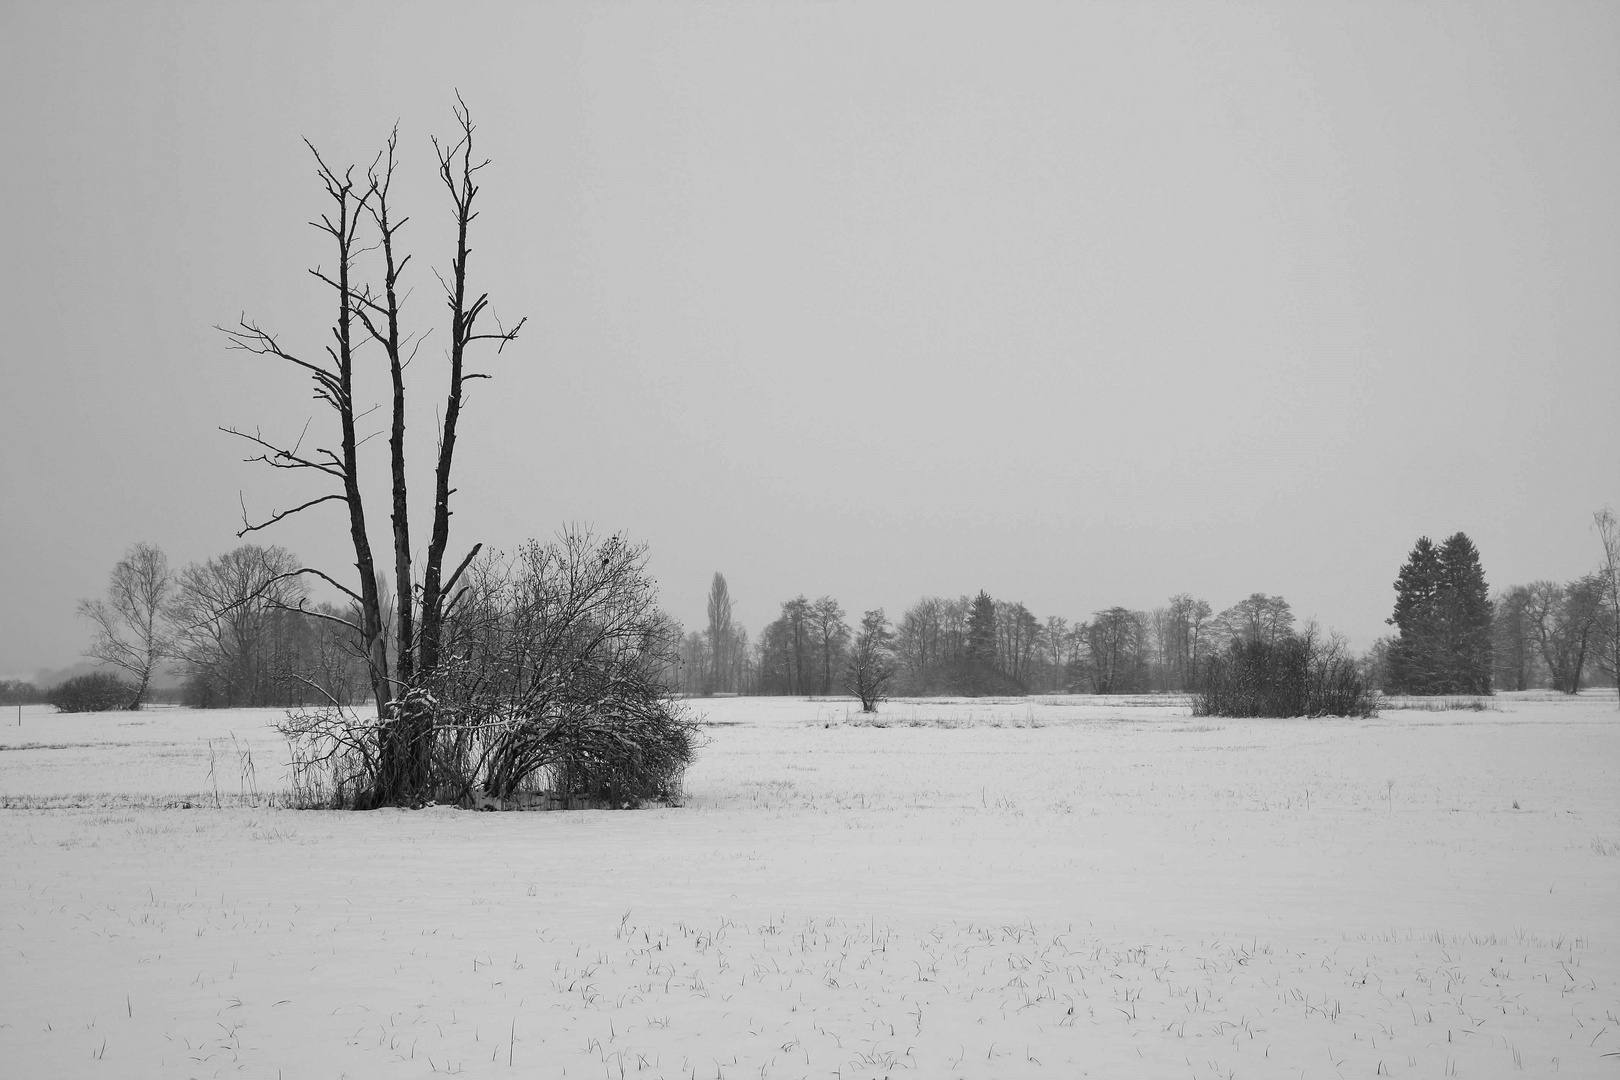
{"x": 1080, "y": 304}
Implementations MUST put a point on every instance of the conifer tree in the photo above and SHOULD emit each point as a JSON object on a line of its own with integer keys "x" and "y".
{"x": 979, "y": 652}
{"x": 1443, "y": 615}
{"x": 1413, "y": 662}
{"x": 1465, "y": 619}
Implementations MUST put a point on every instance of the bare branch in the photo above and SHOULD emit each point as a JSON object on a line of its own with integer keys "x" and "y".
{"x": 282, "y": 515}
{"x": 279, "y": 458}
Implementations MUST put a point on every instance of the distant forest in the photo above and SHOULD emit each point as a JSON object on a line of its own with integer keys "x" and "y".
{"x": 1450, "y": 636}
{"x": 238, "y": 630}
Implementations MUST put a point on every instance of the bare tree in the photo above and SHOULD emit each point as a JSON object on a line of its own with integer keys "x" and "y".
{"x": 1565, "y": 621}
{"x": 1114, "y": 644}
{"x": 129, "y": 623}
{"x": 871, "y": 662}
{"x": 796, "y": 618}
{"x": 224, "y": 612}
{"x": 1608, "y": 586}
{"x": 1514, "y": 638}
{"x": 1187, "y": 622}
{"x": 918, "y": 642}
{"x": 831, "y": 636}
{"x": 420, "y": 611}
{"x": 1259, "y": 618}
{"x": 1016, "y": 632}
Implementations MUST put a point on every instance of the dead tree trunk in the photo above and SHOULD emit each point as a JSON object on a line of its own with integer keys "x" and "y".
{"x": 457, "y": 172}
{"x": 334, "y": 384}
{"x": 404, "y": 709}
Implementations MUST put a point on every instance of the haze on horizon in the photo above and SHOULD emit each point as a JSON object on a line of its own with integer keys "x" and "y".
{"x": 1081, "y": 305}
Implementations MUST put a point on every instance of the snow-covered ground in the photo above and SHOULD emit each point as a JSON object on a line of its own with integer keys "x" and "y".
{"x": 1032, "y": 887}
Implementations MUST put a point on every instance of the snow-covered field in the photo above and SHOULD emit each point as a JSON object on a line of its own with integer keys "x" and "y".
{"x": 1038, "y": 887}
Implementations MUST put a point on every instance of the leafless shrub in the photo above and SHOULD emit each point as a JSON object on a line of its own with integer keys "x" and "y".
{"x": 551, "y": 675}
{"x": 335, "y": 757}
{"x": 1297, "y": 675}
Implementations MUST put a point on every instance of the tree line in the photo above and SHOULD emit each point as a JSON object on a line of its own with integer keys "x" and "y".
{"x": 971, "y": 645}
{"x": 237, "y": 629}
{"x": 1452, "y": 637}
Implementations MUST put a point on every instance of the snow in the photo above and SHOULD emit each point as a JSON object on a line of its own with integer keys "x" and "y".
{"x": 1027, "y": 887}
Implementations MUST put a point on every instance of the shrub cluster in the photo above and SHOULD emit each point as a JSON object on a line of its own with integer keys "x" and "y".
{"x": 1298, "y": 675}
{"x": 551, "y": 682}
{"x": 96, "y": 692}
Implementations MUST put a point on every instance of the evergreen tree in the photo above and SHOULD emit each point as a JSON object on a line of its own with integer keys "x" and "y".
{"x": 1443, "y": 615}
{"x": 979, "y": 651}
{"x": 1413, "y": 656}
{"x": 1465, "y": 619}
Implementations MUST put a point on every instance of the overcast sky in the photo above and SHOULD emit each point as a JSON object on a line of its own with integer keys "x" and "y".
{"x": 1082, "y": 305}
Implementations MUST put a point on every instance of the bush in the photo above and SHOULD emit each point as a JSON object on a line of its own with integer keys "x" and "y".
{"x": 554, "y": 674}
{"x": 551, "y": 681}
{"x": 96, "y": 692}
{"x": 1296, "y": 676}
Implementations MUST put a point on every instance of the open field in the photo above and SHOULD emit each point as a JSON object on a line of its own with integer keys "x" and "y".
{"x": 1030, "y": 887}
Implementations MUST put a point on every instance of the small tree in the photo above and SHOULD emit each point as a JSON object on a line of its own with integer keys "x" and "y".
{"x": 129, "y": 623}
{"x": 872, "y": 662}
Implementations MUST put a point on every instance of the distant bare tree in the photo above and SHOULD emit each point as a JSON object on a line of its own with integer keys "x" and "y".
{"x": 1114, "y": 644}
{"x": 1259, "y": 618}
{"x": 1187, "y": 622}
{"x": 1017, "y": 631}
{"x": 871, "y": 662}
{"x": 1565, "y": 620}
{"x": 693, "y": 656}
{"x": 1054, "y": 650}
{"x": 1514, "y": 639}
{"x": 831, "y": 637}
{"x": 1608, "y": 585}
{"x": 129, "y": 623}
{"x": 919, "y": 644}
{"x": 228, "y": 614}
